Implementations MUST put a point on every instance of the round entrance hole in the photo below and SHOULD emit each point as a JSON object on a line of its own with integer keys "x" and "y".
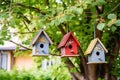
{"x": 70, "y": 46}
{"x": 41, "y": 45}
{"x": 97, "y": 53}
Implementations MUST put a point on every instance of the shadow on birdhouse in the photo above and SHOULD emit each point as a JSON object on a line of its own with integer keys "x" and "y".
{"x": 40, "y": 44}
{"x": 69, "y": 45}
{"x": 96, "y": 52}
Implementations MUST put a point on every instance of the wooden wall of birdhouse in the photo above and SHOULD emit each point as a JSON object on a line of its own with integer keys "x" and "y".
{"x": 69, "y": 45}
{"x": 96, "y": 52}
{"x": 41, "y": 44}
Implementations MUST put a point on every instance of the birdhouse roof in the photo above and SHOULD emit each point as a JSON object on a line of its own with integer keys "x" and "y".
{"x": 66, "y": 38}
{"x": 41, "y": 31}
{"x": 93, "y": 44}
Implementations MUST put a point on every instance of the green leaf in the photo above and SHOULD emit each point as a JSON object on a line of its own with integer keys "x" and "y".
{"x": 79, "y": 10}
{"x": 117, "y": 23}
{"x": 52, "y": 23}
{"x": 68, "y": 17}
{"x": 73, "y": 70}
{"x": 113, "y": 28}
{"x": 57, "y": 22}
{"x": 100, "y": 2}
{"x": 4, "y": 32}
{"x": 111, "y": 22}
{"x": 100, "y": 26}
{"x": 1, "y": 42}
{"x": 5, "y": 15}
{"x": 27, "y": 42}
{"x": 8, "y": 37}
{"x": 112, "y": 16}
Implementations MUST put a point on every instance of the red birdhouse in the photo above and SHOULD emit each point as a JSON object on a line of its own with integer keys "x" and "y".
{"x": 69, "y": 45}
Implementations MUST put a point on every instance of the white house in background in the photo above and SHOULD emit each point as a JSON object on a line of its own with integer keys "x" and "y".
{"x": 48, "y": 63}
{"x": 26, "y": 62}
{"x": 7, "y": 59}
{"x": 6, "y": 56}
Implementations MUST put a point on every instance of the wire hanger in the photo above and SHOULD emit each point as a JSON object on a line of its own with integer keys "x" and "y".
{"x": 94, "y": 31}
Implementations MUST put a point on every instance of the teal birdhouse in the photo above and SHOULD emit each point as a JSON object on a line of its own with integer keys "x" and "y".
{"x": 41, "y": 43}
{"x": 96, "y": 52}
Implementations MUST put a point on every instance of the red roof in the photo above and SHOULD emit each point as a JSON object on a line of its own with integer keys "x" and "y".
{"x": 65, "y": 39}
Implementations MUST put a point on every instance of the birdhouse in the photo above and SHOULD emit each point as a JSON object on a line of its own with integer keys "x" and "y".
{"x": 69, "y": 45}
{"x": 41, "y": 43}
{"x": 96, "y": 52}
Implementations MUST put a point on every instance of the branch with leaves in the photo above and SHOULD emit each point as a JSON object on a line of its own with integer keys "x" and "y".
{"x": 31, "y": 8}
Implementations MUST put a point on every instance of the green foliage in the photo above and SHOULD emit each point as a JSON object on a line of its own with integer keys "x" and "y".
{"x": 59, "y": 72}
{"x": 100, "y": 26}
{"x": 112, "y": 16}
{"x": 100, "y": 2}
{"x": 80, "y": 16}
{"x": 15, "y": 75}
{"x": 117, "y": 23}
{"x": 1, "y": 42}
{"x": 116, "y": 67}
{"x": 113, "y": 28}
{"x": 73, "y": 70}
{"x": 19, "y": 52}
{"x": 4, "y": 75}
{"x": 100, "y": 79}
{"x": 55, "y": 72}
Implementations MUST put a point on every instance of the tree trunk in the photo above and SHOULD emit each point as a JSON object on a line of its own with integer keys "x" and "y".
{"x": 92, "y": 71}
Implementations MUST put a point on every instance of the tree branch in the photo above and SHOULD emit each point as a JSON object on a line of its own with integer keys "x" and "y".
{"x": 71, "y": 66}
{"x": 31, "y": 8}
{"x": 67, "y": 27}
{"x": 22, "y": 32}
{"x": 20, "y": 45}
{"x": 26, "y": 26}
{"x": 55, "y": 55}
{"x": 114, "y": 8}
{"x": 21, "y": 15}
{"x": 61, "y": 29}
{"x": 47, "y": 3}
{"x": 88, "y": 15}
{"x": 84, "y": 63}
{"x": 100, "y": 9}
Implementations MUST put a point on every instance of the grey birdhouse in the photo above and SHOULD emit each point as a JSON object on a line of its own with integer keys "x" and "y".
{"x": 41, "y": 43}
{"x": 96, "y": 52}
